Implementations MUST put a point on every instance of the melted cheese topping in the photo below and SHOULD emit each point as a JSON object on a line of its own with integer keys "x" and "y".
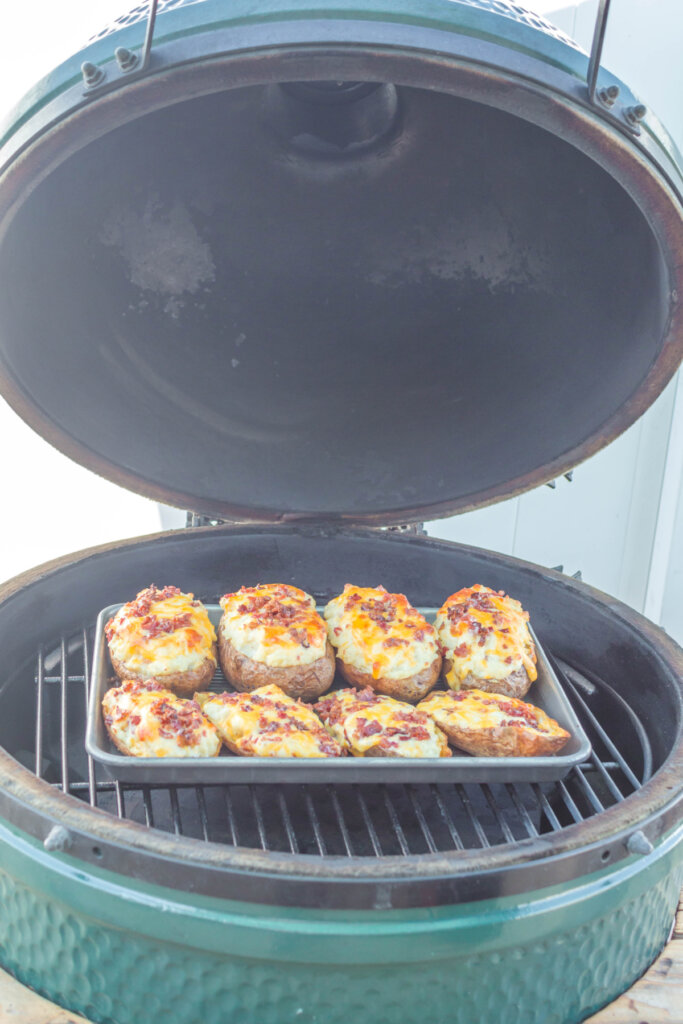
{"x": 161, "y": 632}
{"x": 149, "y": 721}
{"x": 479, "y": 711}
{"x": 380, "y": 633}
{"x": 268, "y": 723}
{"x": 359, "y": 720}
{"x": 274, "y": 624}
{"x": 485, "y": 634}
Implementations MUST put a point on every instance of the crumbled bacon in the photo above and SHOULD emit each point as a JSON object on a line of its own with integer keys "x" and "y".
{"x": 365, "y": 727}
{"x": 155, "y": 625}
{"x": 179, "y": 721}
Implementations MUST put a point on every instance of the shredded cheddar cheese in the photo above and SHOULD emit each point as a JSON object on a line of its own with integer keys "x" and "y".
{"x": 275, "y": 624}
{"x": 268, "y": 723}
{"x": 362, "y": 720}
{"x": 161, "y": 632}
{"x": 380, "y": 633}
{"x": 145, "y": 720}
{"x": 485, "y": 635}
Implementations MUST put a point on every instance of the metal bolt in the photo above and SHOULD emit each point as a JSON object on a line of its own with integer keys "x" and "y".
{"x": 609, "y": 94}
{"x": 125, "y": 58}
{"x": 57, "y": 839}
{"x": 636, "y": 114}
{"x": 569, "y": 476}
{"x": 552, "y": 484}
{"x": 92, "y": 75}
{"x": 639, "y": 843}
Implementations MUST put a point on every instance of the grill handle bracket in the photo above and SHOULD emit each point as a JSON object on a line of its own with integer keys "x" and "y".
{"x": 605, "y": 97}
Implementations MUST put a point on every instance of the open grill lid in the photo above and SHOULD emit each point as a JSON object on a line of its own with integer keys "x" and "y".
{"x": 372, "y": 261}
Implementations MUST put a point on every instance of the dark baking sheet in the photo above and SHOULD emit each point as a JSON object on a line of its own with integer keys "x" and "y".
{"x": 546, "y": 693}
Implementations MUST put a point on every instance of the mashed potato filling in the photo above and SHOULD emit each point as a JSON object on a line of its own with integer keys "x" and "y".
{"x": 274, "y": 624}
{"x": 161, "y": 632}
{"x": 485, "y": 634}
{"x": 380, "y": 633}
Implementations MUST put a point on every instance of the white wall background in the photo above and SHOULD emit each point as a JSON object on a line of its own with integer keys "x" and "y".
{"x": 621, "y": 519}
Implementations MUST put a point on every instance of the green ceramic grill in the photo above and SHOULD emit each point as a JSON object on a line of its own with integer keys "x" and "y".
{"x": 314, "y": 271}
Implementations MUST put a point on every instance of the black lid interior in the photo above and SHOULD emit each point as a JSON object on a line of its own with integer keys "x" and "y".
{"x": 322, "y": 299}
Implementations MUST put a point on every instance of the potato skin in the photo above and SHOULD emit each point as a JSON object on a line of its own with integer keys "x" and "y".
{"x": 303, "y": 682}
{"x": 515, "y": 685}
{"x": 504, "y": 741}
{"x": 183, "y": 684}
{"x": 411, "y": 688}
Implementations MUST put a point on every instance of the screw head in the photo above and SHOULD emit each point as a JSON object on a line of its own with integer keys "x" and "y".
{"x": 609, "y": 94}
{"x": 636, "y": 113}
{"x": 92, "y": 75}
{"x": 125, "y": 58}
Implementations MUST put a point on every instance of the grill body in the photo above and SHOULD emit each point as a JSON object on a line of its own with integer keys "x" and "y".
{"x": 114, "y": 916}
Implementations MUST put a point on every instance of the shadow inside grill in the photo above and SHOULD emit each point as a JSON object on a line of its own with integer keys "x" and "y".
{"x": 341, "y": 820}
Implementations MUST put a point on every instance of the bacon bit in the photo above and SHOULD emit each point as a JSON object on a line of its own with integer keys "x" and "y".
{"x": 135, "y": 719}
{"x": 337, "y": 631}
{"x": 179, "y": 721}
{"x": 394, "y": 641}
{"x": 367, "y": 728}
{"x": 461, "y": 651}
{"x": 155, "y": 625}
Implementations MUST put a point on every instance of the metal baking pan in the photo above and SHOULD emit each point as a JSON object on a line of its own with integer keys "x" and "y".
{"x": 545, "y": 693}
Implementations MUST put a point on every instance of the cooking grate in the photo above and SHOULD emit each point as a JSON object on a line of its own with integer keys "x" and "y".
{"x": 341, "y": 820}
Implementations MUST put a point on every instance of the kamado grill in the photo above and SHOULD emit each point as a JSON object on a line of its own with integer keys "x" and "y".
{"x": 313, "y": 271}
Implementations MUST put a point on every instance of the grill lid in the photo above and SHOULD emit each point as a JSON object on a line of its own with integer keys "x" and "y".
{"x": 376, "y": 262}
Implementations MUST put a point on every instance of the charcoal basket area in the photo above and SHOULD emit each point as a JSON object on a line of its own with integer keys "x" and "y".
{"x": 339, "y": 820}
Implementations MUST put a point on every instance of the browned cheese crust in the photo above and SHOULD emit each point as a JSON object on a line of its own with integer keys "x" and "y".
{"x": 411, "y": 688}
{"x": 182, "y": 683}
{"x": 469, "y": 721}
{"x": 303, "y": 682}
{"x": 515, "y": 685}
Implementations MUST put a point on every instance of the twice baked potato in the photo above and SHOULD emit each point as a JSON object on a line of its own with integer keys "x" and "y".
{"x": 145, "y": 720}
{"x": 492, "y": 725}
{"x": 486, "y": 642}
{"x": 164, "y": 635}
{"x": 368, "y": 724}
{"x": 268, "y": 723}
{"x": 272, "y": 634}
{"x": 383, "y": 643}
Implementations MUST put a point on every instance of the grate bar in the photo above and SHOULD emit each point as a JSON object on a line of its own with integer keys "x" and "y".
{"x": 395, "y": 823}
{"x": 422, "y": 821}
{"x": 367, "y": 820}
{"x": 92, "y": 791}
{"x": 446, "y": 815}
{"x": 315, "y": 824}
{"x": 588, "y": 789}
{"x": 508, "y": 834}
{"x": 63, "y": 719}
{"x": 258, "y": 814}
{"x": 147, "y": 804}
{"x": 230, "y": 812}
{"x": 120, "y": 804}
{"x": 569, "y": 803}
{"x": 524, "y": 815}
{"x": 40, "y": 679}
{"x": 645, "y": 744}
{"x": 346, "y": 838}
{"x": 287, "y": 821}
{"x": 545, "y": 807}
{"x": 469, "y": 811}
{"x": 201, "y": 807}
